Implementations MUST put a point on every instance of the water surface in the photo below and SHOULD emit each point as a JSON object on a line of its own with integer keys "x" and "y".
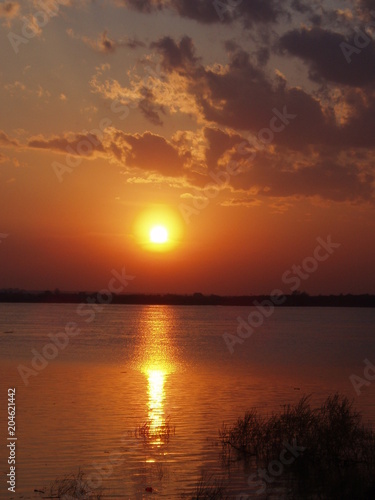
{"x": 168, "y": 371}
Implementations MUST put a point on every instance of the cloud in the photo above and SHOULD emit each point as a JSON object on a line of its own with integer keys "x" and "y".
{"x": 260, "y": 11}
{"x": 218, "y": 143}
{"x": 105, "y": 44}
{"x": 153, "y": 91}
{"x": 201, "y": 11}
{"x": 322, "y": 51}
{"x": 6, "y": 141}
{"x": 278, "y": 173}
{"x": 282, "y": 173}
{"x": 242, "y": 96}
{"x": 301, "y": 7}
{"x": 211, "y": 12}
{"x": 175, "y": 56}
{"x": 9, "y": 10}
{"x": 146, "y": 6}
{"x": 149, "y": 152}
{"x": 149, "y": 108}
{"x": 241, "y": 202}
{"x": 275, "y": 177}
{"x": 367, "y": 4}
{"x": 78, "y": 144}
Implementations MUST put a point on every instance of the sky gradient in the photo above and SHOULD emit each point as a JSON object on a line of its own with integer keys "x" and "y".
{"x": 246, "y": 127}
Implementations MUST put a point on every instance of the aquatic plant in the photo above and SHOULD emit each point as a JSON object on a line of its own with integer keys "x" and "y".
{"x": 73, "y": 487}
{"x": 149, "y": 431}
{"x": 331, "y": 454}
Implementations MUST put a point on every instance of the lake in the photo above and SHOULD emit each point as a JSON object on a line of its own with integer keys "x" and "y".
{"x": 136, "y": 397}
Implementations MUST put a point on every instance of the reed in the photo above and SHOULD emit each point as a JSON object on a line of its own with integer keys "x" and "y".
{"x": 338, "y": 457}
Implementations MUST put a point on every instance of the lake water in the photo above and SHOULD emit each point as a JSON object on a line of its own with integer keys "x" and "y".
{"x": 163, "y": 367}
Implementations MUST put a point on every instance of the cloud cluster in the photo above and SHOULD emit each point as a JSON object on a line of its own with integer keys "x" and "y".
{"x": 321, "y": 50}
{"x": 290, "y": 141}
{"x": 211, "y": 12}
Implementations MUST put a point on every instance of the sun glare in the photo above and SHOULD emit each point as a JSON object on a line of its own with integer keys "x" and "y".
{"x": 158, "y": 229}
{"x": 158, "y": 235}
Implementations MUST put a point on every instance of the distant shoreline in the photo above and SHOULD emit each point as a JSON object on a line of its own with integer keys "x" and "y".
{"x": 197, "y": 299}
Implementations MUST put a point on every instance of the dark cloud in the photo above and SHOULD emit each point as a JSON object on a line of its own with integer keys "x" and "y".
{"x": 149, "y": 108}
{"x": 358, "y": 131}
{"x": 133, "y": 43}
{"x": 243, "y": 98}
{"x": 260, "y": 11}
{"x": 148, "y": 152}
{"x": 211, "y": 11}
{"x": 176, "y": 55}
{"x": 145, "y": 6}
{"x": 367, "y": 4}
{"x": 281, "y": 174}
{"x": 80, "y": 144}
{"x": 202, "y": 11}
{"x": 326, "y": 179}
{"x": 218, "y": 143}
{"x": 301, "y": 7}
{"x": 105, "y": 44}
{"x": 323, "y": 51}
{"x": 263, "y": 55}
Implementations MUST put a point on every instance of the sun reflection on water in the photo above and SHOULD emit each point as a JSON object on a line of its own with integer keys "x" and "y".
{"x": 156, "y": 414}
{"x": 157, "y": 359}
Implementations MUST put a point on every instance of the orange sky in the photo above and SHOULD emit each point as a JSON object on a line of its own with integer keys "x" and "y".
{"x": 116, "y": 111}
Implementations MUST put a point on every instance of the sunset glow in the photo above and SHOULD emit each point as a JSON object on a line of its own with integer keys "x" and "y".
{"x": 158, "y": 229}
{"x": 187, "y": 242}
{"x": 121, "y": 116}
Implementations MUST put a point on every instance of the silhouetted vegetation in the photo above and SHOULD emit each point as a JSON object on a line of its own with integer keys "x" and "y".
{"x": 72, "y": 486}
{"x": 148, "y": 432}
{"x": 296, "y": 299}
{"x": 334, "y": 453}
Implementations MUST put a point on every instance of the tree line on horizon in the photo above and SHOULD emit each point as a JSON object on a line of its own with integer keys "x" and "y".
{"x": 296, "y": 299}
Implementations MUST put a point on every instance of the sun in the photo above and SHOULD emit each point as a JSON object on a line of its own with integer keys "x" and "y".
{"x": 158, "y": 228}
{"x": 158, "y": 235}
